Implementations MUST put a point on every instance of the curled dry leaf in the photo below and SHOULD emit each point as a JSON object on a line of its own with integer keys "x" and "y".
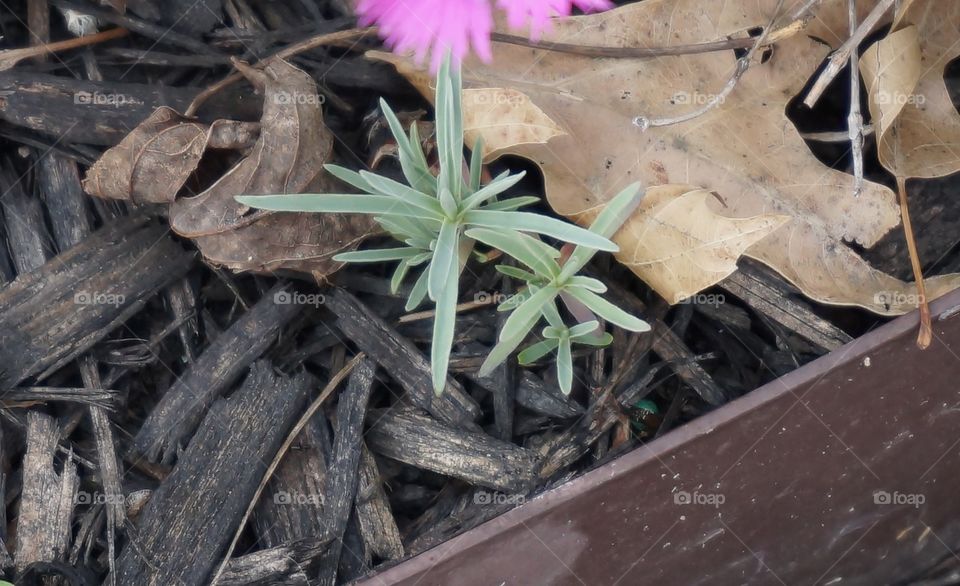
{"x": 918, "y": 125}
{"x": 745, "y": 150}
{"x": 286, "y": 156}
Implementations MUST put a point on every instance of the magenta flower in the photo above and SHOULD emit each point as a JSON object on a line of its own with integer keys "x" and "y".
{"x": 437, "y": 26}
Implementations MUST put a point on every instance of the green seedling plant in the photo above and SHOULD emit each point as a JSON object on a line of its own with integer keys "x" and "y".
{"x": 546, "y": 281}
{"x": 431, "y": 215}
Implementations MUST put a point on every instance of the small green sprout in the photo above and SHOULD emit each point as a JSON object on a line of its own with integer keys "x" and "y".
{"x": 546, "y": 281}
{"x": 439, "y": 218}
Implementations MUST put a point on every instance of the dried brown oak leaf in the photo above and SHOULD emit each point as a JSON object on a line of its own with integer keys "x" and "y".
{"x": 286, "y": 156}
{"x": 746, "y": 150}
{"x": 918, "y": 125}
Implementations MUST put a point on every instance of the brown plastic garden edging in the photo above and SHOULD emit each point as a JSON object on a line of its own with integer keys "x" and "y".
{"x": 845, "y": 471}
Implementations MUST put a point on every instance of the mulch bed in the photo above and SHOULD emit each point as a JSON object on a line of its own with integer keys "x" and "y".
{"x": 146, "y": 393}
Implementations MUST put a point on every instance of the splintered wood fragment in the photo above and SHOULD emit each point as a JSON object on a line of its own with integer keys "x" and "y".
{"x": 668, "y": 345}
{"x": 768, "y": 295}
{"x": 82, "y": 396}
{"x": 58, "y": 181}
{"x": 284, "y": 564}
{"x": 191, "y": 517}
{"x": 343, "y": 473}
{"x": 563, "y": 450}
{"x": 536, "y": 395}
{"x": 377, "y": 525}
{"x": 291, "y": 508}
{"x": 56, "y": 312}
{"x": 5, "y": 560}
{"x": 474, "y": 457}
{"x": 405, "y": 363}
{"x": 79, "y": 111}
{"x": 24, "y": 224}
{"x": 173, "y": 420}
{"x": 47, "y": 498}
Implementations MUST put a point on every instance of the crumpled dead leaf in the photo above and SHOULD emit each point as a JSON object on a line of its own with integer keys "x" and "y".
{"x": 745, "y": 150}
{"x": 918, "y": 125}
{"x": 287, "y": 156}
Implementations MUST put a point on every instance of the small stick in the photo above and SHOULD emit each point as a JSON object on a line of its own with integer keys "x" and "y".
{"x": 354, "y": 34}
{"x": 11, "y": 57}
{"x": 855, "y": 119}
{"x": 925, "y": 336}
{"x": 840, "y": 57}
{"x": 837, "y": 136}
{"x": 291, "y": 437}
{"x": 742, "y": 65}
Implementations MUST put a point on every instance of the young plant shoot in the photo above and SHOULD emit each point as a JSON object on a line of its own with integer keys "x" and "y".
{"x": 438, "y": 219}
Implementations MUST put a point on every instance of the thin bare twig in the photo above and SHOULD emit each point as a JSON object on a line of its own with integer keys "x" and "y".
{"x": 855, "y": 119}
{"x": 291, "y": 437}
{"x": 836, "y": 136}
{"x": 840, "y": 57}
{"x": 350, "y": 35}
{"x": 743, "y": 64}
{"x": 11, "y": 57}
{"x": 925, "y": 336}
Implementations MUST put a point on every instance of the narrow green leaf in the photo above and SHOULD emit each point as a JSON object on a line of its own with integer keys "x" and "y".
{"x": 565, "y": 366}
{"x": 527, "y": 313}
{"x": 514, "y": 203}
{"x": 444, "y": 324}
{"x": 584, "y": 328}
{"x": 599, "y": 341}
{"x": 492, "y": 189}
{"x": 350, "y": 177}
{"x": 537, "y": 351}
{"x": 344, "y": 203}
{"x": 448, "y": 204}
{"x": 617, "y": 211}
{"x": 403, "y": 192}
{"x": 417, "y": 173}
{"x": 608, "y": 311}
{"x": 537, "y": 255}
{"x": 587, "y": 283}
{"x": 527, "y": 222}
{"x": 476, "y": 164}
{"x": 500, "y": 352}
{"x": 444, "y": 259}
{"x": 403, "y": 228}
{"x": 550, "y": 312}
{"x": 516, "y": 273}
{"x": 419, "y": 291}
{"x": 399, "y": 275}
{"x": 376, "y": 255}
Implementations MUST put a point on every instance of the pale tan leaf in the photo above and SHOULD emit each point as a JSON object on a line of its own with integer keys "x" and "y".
{"x": 745, "y": 150}
{"x": 505, "y": 118}
{"x": 678, "y": 245}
